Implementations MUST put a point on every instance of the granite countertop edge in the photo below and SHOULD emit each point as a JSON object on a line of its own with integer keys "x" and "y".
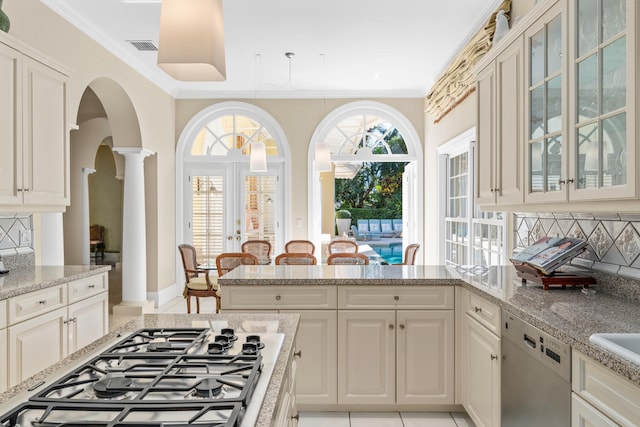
{"x": 287, "y": 324}
{"x": 34, "y": 278}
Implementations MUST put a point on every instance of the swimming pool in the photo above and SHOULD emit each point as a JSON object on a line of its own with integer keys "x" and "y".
{"x": 392, "y": 253}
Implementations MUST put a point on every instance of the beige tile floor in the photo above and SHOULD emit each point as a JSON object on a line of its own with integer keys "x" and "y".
{"x": 316, "y": 419}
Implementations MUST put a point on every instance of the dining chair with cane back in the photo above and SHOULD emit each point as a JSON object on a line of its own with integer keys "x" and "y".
{"x": 198, "y": 283}
{"x": 410, "y": 254}
{"x": 300, "y": 247}
{"x": 345, "y": 258}
{"x": 225, "y": 262}
{"x": 294, "y": 258}
{"x": 342, "y": 246}
{"x": 261, "y": 249}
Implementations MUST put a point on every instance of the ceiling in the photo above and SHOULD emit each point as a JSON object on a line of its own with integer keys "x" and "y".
{"x": 371, "y": 48}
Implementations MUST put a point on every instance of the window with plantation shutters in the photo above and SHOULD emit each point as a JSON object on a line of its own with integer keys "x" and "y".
{"x": 207, "y": 217}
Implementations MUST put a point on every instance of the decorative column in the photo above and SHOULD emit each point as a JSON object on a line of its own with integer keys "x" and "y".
{"x": 84, "y": 235}
{"x": 52, "y": 239}
{"x": 134, "y": 243}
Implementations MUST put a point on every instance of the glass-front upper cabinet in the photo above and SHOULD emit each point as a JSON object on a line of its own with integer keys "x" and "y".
{"x": 546, "y": 151}
{"x": 603, "y": 97}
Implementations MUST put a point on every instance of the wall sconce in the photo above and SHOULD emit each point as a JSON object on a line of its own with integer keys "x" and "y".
{"x": 191, "y": 43}
{"x": 258, "y": 157}
{"x": 322, "y": 161}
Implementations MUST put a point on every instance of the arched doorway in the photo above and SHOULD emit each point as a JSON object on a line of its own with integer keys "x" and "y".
{"x": 106, "y": 118}
{"x": 220, "y": 201}
{"x": 356, "y": 133}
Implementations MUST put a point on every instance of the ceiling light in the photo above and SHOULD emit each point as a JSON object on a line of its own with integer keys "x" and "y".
{"x": 191, "y": 43}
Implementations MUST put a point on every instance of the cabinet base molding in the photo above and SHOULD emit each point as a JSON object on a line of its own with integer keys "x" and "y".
{"x": 379, "y": 408}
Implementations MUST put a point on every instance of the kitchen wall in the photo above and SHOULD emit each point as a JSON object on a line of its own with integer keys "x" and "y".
{"x": 39, "y": 27}
{"x": 16, "y": 240}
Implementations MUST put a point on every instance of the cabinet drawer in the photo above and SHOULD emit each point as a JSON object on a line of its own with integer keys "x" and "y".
{"x": 279, "y": 297}
{"x": 3, "y": 314}
{"x": 418, "y": 297}
{"x": 607, "y": 391}
{"x": 485, "y": 312}
{"x": 30, "y": 305}
{"x": 88, "y": 286}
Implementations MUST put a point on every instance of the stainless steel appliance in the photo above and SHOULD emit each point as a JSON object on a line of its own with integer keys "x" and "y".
{"x": 160, "y": 377}
{"x": 536, "y": 376}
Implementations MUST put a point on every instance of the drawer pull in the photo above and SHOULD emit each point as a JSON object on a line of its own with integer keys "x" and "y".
{"x": 278, "y": 297}
{"x": 43, "y": 302}
{"x": 92, "y": 286}
{"x": 478, "y": 309}
{"x": 295, "y": 417}
{"x": 494, "y": 357}
{"x": 401, "y": 326}
{"x": 391, "y": 327}
{"x": 298, "y": 354}
{"x": 396, "y": 298}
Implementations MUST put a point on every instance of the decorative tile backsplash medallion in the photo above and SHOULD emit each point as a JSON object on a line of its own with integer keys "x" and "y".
{"x": 16, "y": 240}
{"x": 614, "y": 239}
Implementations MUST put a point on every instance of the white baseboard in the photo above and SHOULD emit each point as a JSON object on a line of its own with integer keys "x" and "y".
{"x": 163, "y": 296}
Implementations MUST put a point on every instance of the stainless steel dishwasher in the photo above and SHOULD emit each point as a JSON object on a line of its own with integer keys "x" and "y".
{"x": 536, "y": 376}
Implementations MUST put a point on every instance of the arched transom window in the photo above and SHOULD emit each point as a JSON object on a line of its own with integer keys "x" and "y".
{"x": 229, "y": 138}
{"x": 365, "y": 135}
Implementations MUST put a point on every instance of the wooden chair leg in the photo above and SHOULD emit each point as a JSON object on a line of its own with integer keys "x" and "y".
{"x": 198, "y": 305}
{"x": 218, "y": 304}
{"x": 188, "y": 304}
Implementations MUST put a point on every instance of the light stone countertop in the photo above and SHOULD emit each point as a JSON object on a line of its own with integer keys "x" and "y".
{"x": 567, "y": 314}
{"x": 287, "y": 324}
{"x": 28, "y": 279}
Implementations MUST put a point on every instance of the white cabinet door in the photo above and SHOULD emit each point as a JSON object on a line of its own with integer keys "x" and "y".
{"x": 36, "y": 344}
{"x": 486, "y": 133}
{"x": 509, "y": 138}
{"x": 425, "y": 357}
{"x": 45, "y": 152}
{"x": 4, "y": 364}
{"x": 483, "y": 375}
{"x": 366, "y": 357}
{"x": 88, "y": 321}
{"x": 316, "y": 380}
{"x": 585, "y": 415}
{"x": 10, "y": 131}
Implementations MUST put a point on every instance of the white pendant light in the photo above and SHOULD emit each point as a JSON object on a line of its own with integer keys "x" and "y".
{"x": 258, "y": 157}
{"x": 191, "y": 43}
{"x": 322, "y": 161}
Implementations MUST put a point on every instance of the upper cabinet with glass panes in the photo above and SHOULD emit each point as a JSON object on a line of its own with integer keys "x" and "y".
{"x": 546, "y": 82}
{"x": 602, "y": 61}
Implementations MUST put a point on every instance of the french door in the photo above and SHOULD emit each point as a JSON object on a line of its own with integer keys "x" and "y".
{"x": 227, "y": 204}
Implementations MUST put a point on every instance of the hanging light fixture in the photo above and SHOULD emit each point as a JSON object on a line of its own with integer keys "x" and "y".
{"x": 191, "y": 43}
{"x": 258, "y": 157}
{"x": 322, "y": 155}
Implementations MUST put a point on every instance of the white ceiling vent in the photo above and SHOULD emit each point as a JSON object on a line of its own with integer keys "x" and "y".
{"x": 143, "y": 45}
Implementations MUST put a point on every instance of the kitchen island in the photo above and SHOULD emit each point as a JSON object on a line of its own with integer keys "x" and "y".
{"x": 284, "y": 324}
{"x": 569, "y": 315}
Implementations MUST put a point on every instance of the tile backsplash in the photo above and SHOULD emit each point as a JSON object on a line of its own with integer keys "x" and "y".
{"x": 614, "y": 240}
{"x": 16, "y": 240}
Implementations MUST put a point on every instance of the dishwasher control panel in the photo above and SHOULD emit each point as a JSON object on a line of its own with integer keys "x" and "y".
{"x": 555, "y": 354}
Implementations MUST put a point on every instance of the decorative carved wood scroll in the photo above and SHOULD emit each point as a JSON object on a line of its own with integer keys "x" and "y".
{"x": 457, "y": 82}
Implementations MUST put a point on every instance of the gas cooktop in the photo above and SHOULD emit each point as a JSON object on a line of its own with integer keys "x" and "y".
{"x": 160, "y": 377}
